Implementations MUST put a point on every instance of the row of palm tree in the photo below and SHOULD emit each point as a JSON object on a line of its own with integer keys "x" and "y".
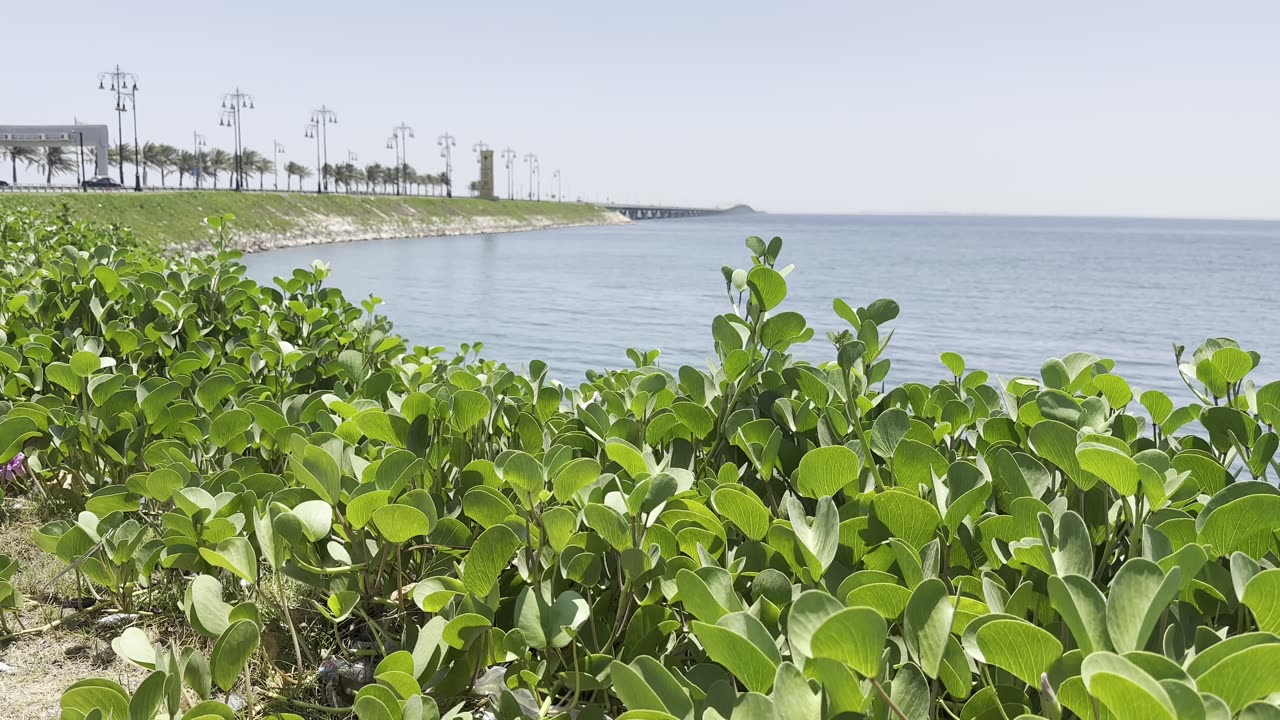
{"x": 48, "y": 160}
{"x": 215, "y": 163}
{"x": 378, "y": 178}
{"x": 166, "y": 160}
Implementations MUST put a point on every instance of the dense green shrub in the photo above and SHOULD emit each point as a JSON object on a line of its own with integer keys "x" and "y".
{"x": 766, "y": 539}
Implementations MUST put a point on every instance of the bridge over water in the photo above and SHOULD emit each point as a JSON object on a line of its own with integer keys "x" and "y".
{"x": 659, "y": 212}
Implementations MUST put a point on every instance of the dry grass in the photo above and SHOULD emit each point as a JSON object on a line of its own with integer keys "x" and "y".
{"x": 42, "y": 665}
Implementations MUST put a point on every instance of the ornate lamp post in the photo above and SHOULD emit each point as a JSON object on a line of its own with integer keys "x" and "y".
{"x": 312, "y": 130}
{"x": 120, "y": 82}
{"x": 532, "y": 161}
{"x": 322, "y": 118}
{"x": 447, "y": 143}
{"x": 509, "y": 156}
{"x": 232, "y": 104}
{"x": 399, "y": 142}
{"x": 279, "y": 150}
{"x": 197, "y": 142}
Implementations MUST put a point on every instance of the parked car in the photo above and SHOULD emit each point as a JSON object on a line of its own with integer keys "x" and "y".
{"x": 3, "y": 183}
{"x": 103, "y": 183}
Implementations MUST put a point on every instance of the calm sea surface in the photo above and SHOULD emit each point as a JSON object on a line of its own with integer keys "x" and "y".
{"x": 1006, "y": 293}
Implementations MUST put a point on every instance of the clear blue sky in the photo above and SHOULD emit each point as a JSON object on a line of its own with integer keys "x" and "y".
{"x": 1142, "y": 107}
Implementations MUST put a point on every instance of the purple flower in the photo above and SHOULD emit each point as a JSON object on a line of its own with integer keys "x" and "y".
{"x": 13, "y": 468}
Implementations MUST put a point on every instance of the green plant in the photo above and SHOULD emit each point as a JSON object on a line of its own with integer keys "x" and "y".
{"x": 768, "y": 538}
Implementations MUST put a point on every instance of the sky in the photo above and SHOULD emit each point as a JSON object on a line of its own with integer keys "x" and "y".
{"x": 1164, "y": 108}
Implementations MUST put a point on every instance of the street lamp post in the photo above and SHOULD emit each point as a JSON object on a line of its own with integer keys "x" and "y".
{"x": 137, "y": 162}
{"x": 559, "y": 190}
{"x": 120, "y": 81}
{"x": 275, "y": 163}
{"x": 322, "y": 118}
{"x": 393, "y": 143}
{"x": 313, "y": 131}
{"x": 400, "y": 136}
{"x": 447, "y": 143}
{"x": 80, "y": 170}
{"x": 509, "y": 156}
{"x": 230, "y": 117}
{"x": 532, "y": 161}
{"x": 197, "y": 142}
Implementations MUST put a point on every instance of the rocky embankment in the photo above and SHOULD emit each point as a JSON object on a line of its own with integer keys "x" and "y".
{"x": 322, "y": 230}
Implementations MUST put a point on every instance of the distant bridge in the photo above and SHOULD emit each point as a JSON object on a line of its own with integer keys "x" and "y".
{"x": 658, "y": 212}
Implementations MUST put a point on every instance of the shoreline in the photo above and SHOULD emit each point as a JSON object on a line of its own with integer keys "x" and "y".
{"x": 175, "y": 221}
{"x": 333, "y": 231}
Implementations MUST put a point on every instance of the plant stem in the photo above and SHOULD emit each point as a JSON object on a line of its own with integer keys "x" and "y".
{"x": 55, "y": 624}
{"x": 288, "y": 618}
{"x": 892, "y": 706}
{"x": 305, "y": 705}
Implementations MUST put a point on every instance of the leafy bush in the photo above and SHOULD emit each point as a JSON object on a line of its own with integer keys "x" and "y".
{"x": 765, "y": 539}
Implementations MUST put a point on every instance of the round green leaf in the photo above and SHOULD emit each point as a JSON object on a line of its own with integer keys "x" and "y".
{"x": 741, "y": 507}
{"x": 232, "y": 652}
{"x": 824, "y": 471}
{"x": 768, "y": 287}
{"x": 1125, "y": 689}
{"x": 1014, "y": 645}
{"x": 489, "y": 555}
{"x": 854, "y": 636}
{"x": 398, "y": 523}
{"x": 134, "y": 645}
{"x": 1262, "y": 597}
{"x": 741, "y": 643}
{"x": 85, "y": 363}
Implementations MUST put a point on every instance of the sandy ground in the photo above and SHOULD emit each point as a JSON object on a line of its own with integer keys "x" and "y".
{"x": 36, "y": 668}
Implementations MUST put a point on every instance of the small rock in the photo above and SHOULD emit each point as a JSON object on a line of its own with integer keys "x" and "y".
{"x": 116, "y": 619}
{"x": 5, "y": 668}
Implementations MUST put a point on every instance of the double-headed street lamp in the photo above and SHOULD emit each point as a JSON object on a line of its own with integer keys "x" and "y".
{"x": 322, "y": 118}
{"x": 120, "y": 82}
{"x": 275, "y": 161}
{"x": 312, "y": 130}
{"x": 232, "y": 104}
{"x": 447, "y": 143}
{"x": 399, "y": 141}
{"x": 532, "y": 161}
{"x": 197, "y": 142}
{"x": 509, "y": 156}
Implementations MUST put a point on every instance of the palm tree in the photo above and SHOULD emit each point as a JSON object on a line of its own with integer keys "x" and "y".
{"x": 218, "y": 161}
{"x": 249, "y": 161}
{"x": 113, "y": 154}
{"x": 26, "y": 154}
{"x": 184, "y": 163}
{"x": 160, "y": 156}
{"x": 54, "y": 161}
{"x": 290, "y": 169}
{"x": 301, "y": 171}
{"x": 374, "y": 176}
{"x": 357, "y": 176}
{"x": 263, "y": 166}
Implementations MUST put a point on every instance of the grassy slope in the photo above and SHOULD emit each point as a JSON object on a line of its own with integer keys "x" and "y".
{"x": 176, "y": 217}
